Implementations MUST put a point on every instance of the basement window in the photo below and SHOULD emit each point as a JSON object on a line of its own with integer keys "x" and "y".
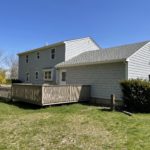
{"x": 149, "y": 77}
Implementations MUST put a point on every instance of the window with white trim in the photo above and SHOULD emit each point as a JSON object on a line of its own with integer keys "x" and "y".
{"x": 48, "y": 74}
{"x": 36, "y": 75}
{"x": 53, "y": 53}
{"x": 63, "y": 76}
{"x": 27, "y": 77}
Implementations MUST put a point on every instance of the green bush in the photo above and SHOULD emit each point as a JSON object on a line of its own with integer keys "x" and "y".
{"x": 136, "y": 95}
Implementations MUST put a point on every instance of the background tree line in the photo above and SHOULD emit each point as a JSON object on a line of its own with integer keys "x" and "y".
{"x": 8, "y": 67}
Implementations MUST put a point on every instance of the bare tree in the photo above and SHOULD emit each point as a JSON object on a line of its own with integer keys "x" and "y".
{"x": 12, "y": 65}
{"x": 3, "y": 59}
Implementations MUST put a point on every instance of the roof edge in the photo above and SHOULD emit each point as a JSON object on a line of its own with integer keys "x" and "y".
{"x": 127, "y": 44}
{"x": 90, "y": 63}
{"x": 148, "y": 42}
{"x": 57, "y": 44}
{"x": 88, "y": 37}
{"x": 40, "y": 48}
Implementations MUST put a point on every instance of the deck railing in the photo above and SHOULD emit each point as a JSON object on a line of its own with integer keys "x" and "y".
{"x": 50, "y": 94}
{"x": 5, "y": 91}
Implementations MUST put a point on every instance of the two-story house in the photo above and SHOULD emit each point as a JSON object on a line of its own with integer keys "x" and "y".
{"x": 37, "y": 66}
{"x": 82, "y": 61}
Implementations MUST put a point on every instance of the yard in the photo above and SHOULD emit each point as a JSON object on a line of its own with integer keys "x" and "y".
{"x": 71, "y": 127}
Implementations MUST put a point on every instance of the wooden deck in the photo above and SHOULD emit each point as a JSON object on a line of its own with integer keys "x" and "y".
{"x": 5, "y": 91}
{"x": 50, "y": 94}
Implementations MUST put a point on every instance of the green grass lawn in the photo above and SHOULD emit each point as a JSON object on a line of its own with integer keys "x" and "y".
{"x": 71, "y": 127}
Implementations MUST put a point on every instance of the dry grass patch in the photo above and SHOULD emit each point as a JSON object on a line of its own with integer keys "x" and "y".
{"x": 70, "y": 127}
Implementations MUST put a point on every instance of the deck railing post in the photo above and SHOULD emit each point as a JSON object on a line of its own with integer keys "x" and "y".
{"x": 112, "y": 105}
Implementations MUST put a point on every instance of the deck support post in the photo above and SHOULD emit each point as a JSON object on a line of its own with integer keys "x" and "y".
{"x": 112, "y": 103}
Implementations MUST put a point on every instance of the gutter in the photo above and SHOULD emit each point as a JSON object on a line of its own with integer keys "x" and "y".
{"x": 91, "y": 63}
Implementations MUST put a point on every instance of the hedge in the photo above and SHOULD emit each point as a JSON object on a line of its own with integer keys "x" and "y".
{"x": 10, "y": 81}
{"x": 136, "y": 95}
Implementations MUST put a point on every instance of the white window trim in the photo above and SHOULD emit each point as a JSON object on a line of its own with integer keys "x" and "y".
{"x": 38, "y": 75}
{"x": 52, "y": 73}
{"x": 60, "y": 77}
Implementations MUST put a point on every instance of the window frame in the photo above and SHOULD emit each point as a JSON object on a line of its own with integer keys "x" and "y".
{"x": 27, "y": 59}
{"x": 61, "y": 82}
{"x": 62, "y": 76}
{"x": 48, "y": 70}
{"x": 53, "y": 53}
{"x": 27, "y": 73}
{"x": 35, "y": 75}
{"x": 38, "y": 55}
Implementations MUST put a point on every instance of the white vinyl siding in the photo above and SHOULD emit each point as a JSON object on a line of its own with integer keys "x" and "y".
{"x": 139, "y": 64}
{"x": 40, "y": 64}
{"x": 46, "y": 58}
{"x": 104, "y": 79}
{"x": 76, "y": 47}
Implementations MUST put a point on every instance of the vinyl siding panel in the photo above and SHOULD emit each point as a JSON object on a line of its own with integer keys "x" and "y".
{"x": 38, "y": 65}
{"x": 104, "y": 79}
{"x": 76, "y": 47}
{"x": 139, "y": 63}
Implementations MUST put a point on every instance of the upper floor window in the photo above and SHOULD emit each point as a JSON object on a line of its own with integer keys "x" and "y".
{"x": 52, "y": 53}
{"x": 38, "y": 55}
{"x": 36, "y": 75}
{"x": 27, "y": 58}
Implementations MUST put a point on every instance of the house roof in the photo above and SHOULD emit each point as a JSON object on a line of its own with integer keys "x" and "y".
{"x": 113, "y": 54}
{"x": 55, "y": 44}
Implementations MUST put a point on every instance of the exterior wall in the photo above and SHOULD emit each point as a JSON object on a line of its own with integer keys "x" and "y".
{"x": 103, "y": 78}
{"x": 45, "y": 61}
{"x": 139, "y": 63}
{"x": 76, "y": 47}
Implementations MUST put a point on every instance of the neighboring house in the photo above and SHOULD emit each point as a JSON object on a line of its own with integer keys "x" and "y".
{"x": 104, "y": 69}
{"x": 37, "y": 66}
{"x": 82, "y": 61}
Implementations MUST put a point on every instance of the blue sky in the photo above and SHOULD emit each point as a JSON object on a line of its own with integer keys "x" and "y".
{"x": 27, "y": 24}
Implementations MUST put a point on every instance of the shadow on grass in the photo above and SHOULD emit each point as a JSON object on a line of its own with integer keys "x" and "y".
{"x": 106, "y": 109}
{"x": 25, "y": 105}
{"x": 22, "y": 105}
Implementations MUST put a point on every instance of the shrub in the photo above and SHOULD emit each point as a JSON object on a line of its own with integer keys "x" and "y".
{"x": 2, "y": 77}
{"x": 10, "y": 81}
{"x": 136, "y": 95}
